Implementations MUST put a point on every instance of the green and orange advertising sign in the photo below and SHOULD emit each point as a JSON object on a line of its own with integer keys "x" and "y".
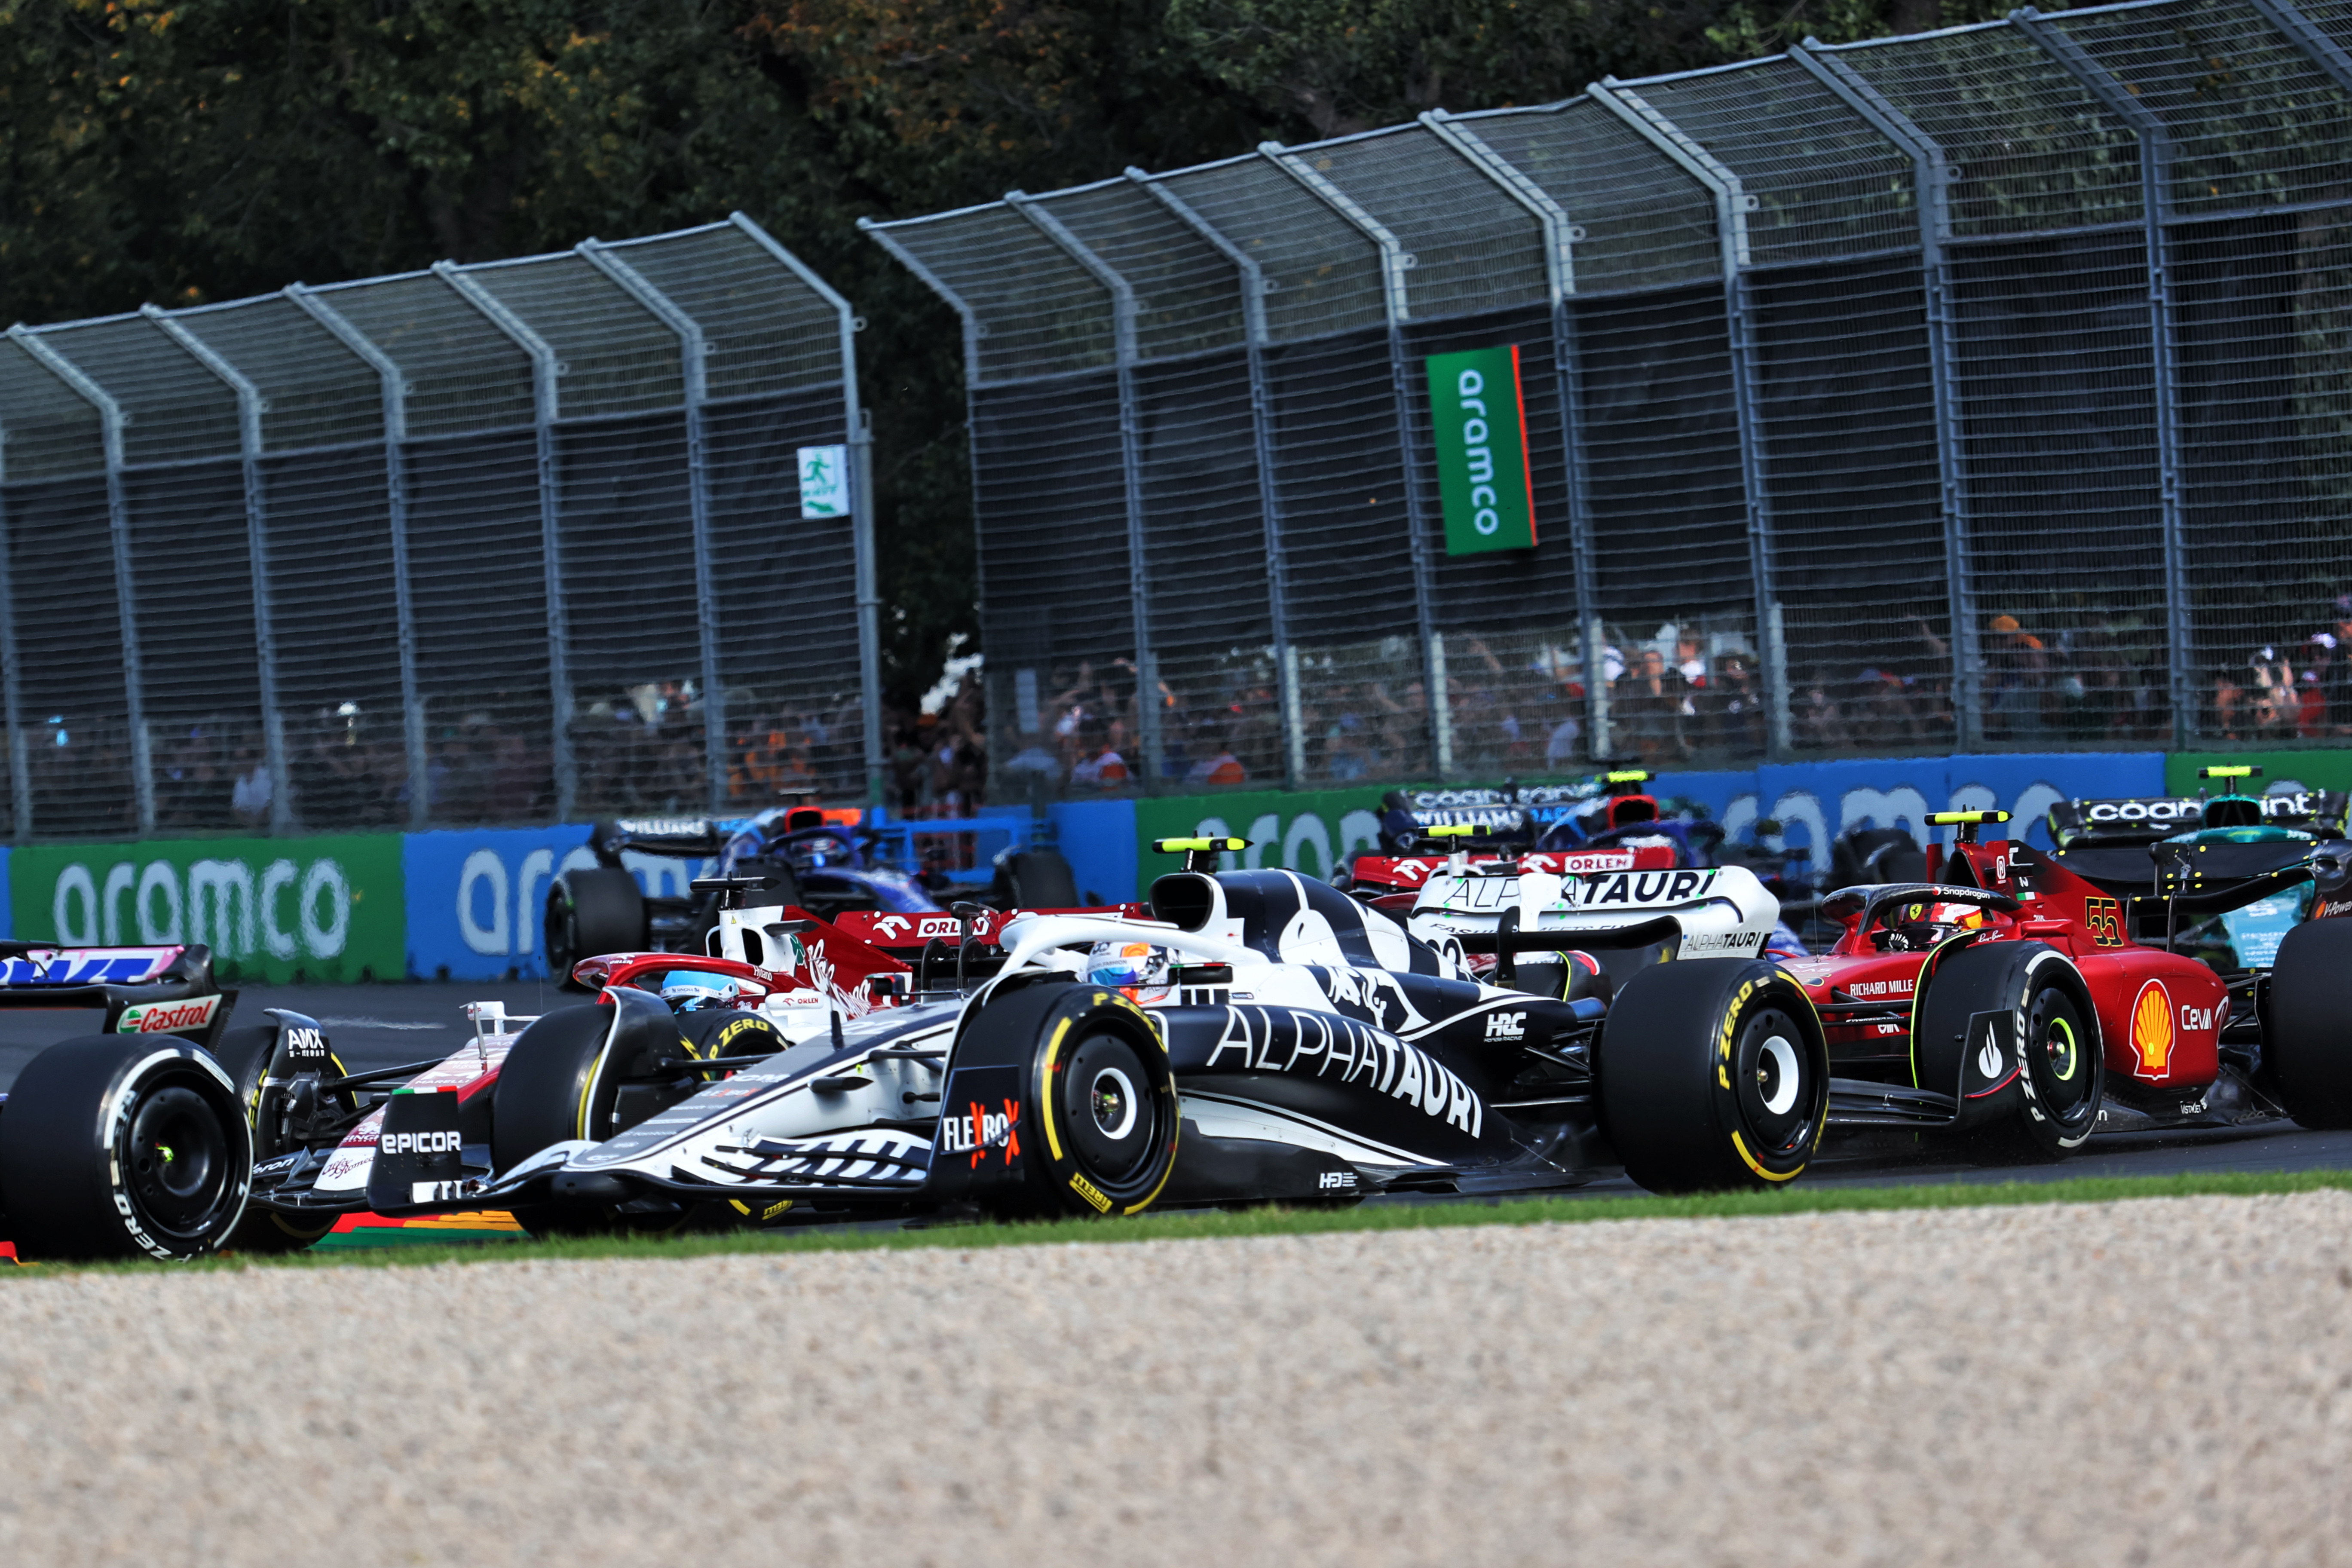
{"x": 1481, "y": 423}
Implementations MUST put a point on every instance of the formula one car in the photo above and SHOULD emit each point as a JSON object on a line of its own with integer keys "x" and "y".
{"x": 1610, "y": 808}
{"x": 2224, "y": 878}
{"x": 800, "y": 858}
{"x": 1256, "y": 1036}
{"x": 127, "y": 1139}
{"x": 2008, "y": 998}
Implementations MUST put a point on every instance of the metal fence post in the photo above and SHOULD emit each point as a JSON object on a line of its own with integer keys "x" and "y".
{"x": 962, "y": 308}
{"x": 1559, "y": 271}
{"x": 2155, "y": 156}
{"x": 1932, "y": 174}
{"x": 1130, "y": 458}
{"x": 250, "y": 406}
{"x": 1395, "y": 261}
{"x": 692, "y": 363}
{"x": 1255, "y": 339}
{"x": 395, "y": 480}
{"x": 870, "y": 604}
{"x": 1732, "y": 205}
{"x": 126, "y": 588}
{"x": 544, "y": 370}
{"x": 20, "y": 780}
{"x": 860, "y": 427}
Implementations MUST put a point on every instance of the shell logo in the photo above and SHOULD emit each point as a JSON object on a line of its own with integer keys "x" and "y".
{"x": 2151, "y": 1029}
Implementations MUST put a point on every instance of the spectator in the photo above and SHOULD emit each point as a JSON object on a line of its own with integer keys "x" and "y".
{"x": 2335, "y": 677}
{"x": 1100, "y": 766}
{"x": 1690, "y": 666}
{"x": 250, "y": 796}
{"x": 1565, "y": 746}
{"x": 2273, "y": 708}
{"x": 2017, "y": 668}
{"x": 1647, "y": 705}
{"x": 1732, "y": 709}
{"x": 1215, "y": 762}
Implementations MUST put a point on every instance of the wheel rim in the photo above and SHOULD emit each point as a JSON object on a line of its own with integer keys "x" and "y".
{"x": 1774, "y": 1080}
{"x": 1112, "y": 1099}
{"x": 2064, "y": 1075}
{"x": 1109, "y": 1108}
{"x": 176, "y": 1160}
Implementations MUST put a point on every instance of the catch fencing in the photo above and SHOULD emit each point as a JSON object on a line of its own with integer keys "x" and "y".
{"x": 521, "y": 541}
{"x": 1990, "y": 388}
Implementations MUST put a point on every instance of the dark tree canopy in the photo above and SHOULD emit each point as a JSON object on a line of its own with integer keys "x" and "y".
{"x": 203, "y": 150}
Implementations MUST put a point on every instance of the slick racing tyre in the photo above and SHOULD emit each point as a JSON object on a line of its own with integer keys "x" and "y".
{"x": 115, "y": 1146}
{"x": 1035, "y": 879}
{"x": 1099, "y": 1119}
{"x": 2030, "y": 1090}
{"x": 551, "y": 1088}
{"x": 245, "y": 1055}
{"x": 2308, "y": 1036}
{"x": 1714, "y": 1074}
{"x": 590, "y": 911}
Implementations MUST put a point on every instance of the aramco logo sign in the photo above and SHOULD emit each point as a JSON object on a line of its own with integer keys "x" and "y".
{"x": 1481, "y": 426}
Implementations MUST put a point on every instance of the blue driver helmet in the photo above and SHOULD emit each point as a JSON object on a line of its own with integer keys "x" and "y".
{"x": 689, "y": 991}
{"x": 1127, "y": 964}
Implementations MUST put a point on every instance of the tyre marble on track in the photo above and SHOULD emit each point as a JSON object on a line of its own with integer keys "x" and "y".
{"x": 2154, "y": 1381}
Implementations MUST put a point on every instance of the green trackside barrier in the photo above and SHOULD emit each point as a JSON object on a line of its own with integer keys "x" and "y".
{"x": 275, "y": 910}
{"x": 2316, "y": 769}
{"x": 1313, "y": 832}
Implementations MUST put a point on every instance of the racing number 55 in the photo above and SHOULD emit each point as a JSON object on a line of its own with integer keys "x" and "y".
{"x": 2105, "y": 917}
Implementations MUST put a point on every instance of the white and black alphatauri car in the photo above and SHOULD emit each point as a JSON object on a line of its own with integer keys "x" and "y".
{"x": 1261, "y": 1037}
{"x": 1713, "y": 1066}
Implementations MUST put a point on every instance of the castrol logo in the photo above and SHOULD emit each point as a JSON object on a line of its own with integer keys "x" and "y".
{"x": 167, "y": 1017}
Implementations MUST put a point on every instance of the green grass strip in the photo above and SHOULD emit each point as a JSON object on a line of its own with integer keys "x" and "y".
{"x": 1206, "y": 1224}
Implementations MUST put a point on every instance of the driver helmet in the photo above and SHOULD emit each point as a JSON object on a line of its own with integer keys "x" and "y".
{"x": 1918, "y": 927}
{"x": 694, "y": 993}
{"x": 1125, "y": 964}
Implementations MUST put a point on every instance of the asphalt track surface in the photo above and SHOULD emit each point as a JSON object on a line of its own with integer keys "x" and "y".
{"x": 384, "y": 1025}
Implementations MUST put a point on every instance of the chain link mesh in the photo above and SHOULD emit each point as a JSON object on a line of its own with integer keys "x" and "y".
{"x": 310, "y": 524}
{"x": 2132, "y": 450}
{"x": 1823, "y": 184}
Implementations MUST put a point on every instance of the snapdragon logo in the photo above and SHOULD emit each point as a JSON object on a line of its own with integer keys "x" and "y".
{"x": 242, "y": 909}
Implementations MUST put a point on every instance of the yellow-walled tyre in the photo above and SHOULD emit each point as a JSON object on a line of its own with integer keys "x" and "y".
{"x": 1076, "y": 1077}
{"x": 1714, "y": 1075}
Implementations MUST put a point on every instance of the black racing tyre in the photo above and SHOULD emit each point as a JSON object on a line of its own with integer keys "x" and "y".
{"x": 122, "y": 1146}
{"x": 1712, "y": 1073}
{"x": 731, "y": 1032}
{"x": 591, "y": 912}
{"x": 554, "y": 1087}
{"x": 1100, "y": 1120}
{"x": 2307, "y": 1035}
{"x": 2046, "y": 1102}
{"x": 1035, "y": 879}
{"x": 549, "y": 1088}
{"x": 245, "y": 1055}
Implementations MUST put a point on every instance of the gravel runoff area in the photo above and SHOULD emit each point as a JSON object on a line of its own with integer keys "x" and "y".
{"x": 2162, "y": 1381}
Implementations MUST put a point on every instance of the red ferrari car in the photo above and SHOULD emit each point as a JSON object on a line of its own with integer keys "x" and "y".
{"x": 2003, "y": 1001}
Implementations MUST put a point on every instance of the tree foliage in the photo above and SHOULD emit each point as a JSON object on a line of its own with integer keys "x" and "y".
{"x": 184, "y": 150}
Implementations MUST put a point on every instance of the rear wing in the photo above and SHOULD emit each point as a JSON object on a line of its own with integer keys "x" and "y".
{"x": 140, "y": 990}
{"x": 1374, "y": 874}
{"x": 2143, "y": 819}
{"x": 679, "y": 837}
